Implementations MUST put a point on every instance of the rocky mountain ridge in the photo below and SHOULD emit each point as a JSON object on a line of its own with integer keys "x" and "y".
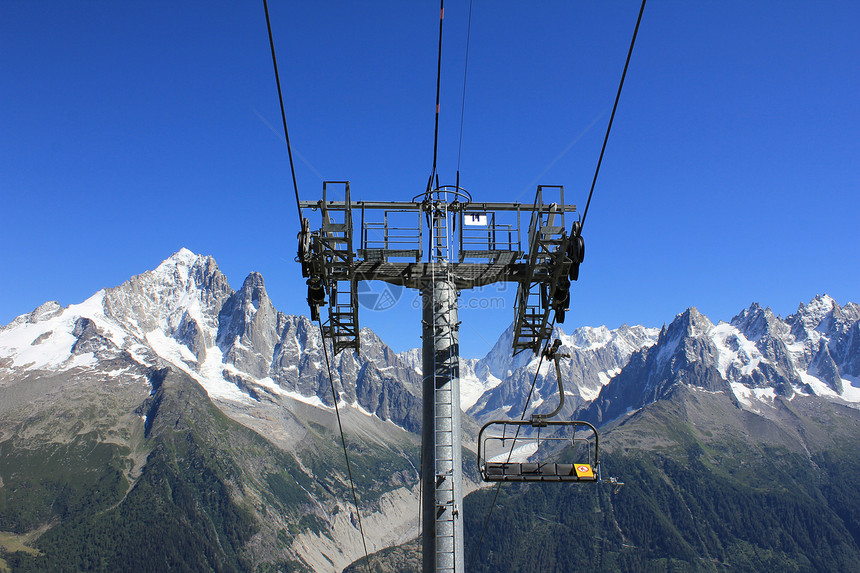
{"x": 248, "y": 354}
{"x": 234, "y": 343}
{"x": 754, "y": 358}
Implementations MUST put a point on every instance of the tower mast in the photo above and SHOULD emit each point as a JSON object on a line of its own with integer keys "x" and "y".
{"x": 490, "y": 245}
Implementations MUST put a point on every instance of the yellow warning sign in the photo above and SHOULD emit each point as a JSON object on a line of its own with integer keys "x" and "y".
{"x": 584, "y": 471}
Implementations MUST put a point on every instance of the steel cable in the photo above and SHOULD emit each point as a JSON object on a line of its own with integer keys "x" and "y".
{"x": 438, "y": 89}
{"x": 345, "y": 454}
{"x": 319, "y": 322}
{"x": 283, "y": 113}
{"x": 463, "y": 105}
{"x": 612, "y": 116}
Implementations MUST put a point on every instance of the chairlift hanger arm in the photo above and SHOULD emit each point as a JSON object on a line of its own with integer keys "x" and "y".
{"x": 553, "y": 353}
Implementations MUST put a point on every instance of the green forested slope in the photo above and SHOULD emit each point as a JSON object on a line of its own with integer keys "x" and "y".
{"x": 212, "y": 496}
{"x": 179, "y": 514}
{"x": 697, "y": 500}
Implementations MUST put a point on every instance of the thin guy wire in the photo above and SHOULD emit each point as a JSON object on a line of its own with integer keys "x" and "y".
{"x": 283, "y": 113}
{"x": 611, "y": 117}
{"x": 343, "y": 441}
{"x": 499, "y": 484}
{"x": 465, "y": 75}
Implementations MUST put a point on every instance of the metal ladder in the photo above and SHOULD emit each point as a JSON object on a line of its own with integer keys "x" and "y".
{"x": 336, "y": 240}
{"x": 447, "y": 456}
{"x": 547, "y": 245}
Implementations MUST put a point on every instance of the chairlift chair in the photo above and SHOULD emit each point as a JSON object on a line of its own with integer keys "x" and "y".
{"x": 500, "y": 467}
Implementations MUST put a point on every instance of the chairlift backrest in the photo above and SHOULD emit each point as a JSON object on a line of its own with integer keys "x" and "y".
{"x": 503, "y": 467}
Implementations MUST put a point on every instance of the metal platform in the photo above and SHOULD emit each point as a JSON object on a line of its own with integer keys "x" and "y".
{"x": 485, "y": 243}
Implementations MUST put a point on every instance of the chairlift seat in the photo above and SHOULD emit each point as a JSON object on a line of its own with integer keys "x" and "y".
{"x": 540, "y": 472}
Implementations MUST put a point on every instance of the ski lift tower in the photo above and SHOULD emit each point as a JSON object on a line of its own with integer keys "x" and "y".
{"x": 468, "y": 244}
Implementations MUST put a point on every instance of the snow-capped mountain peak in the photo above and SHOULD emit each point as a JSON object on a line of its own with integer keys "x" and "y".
{"x": 178, "y": 264}
{"x": 819, "y": 307}
{"x": 756, "y": 322}
{"x": 821, "y": 316}
{"x": 585, "y": 338}
{"x": 236, "y": 345}
{"x": 46, "y": 337}
{"x": 737, "y": 355}
{"x": 592, "y": 356}
{"x": 687, "y": 326}
{"x": 184, "y": 288}
{"x": 756, "y": 357}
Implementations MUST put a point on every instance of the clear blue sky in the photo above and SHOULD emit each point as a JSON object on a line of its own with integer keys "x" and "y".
{"x": 130, "y": 130}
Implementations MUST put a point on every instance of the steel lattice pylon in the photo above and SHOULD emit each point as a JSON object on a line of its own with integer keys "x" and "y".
{"x": 470, "y": 244}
